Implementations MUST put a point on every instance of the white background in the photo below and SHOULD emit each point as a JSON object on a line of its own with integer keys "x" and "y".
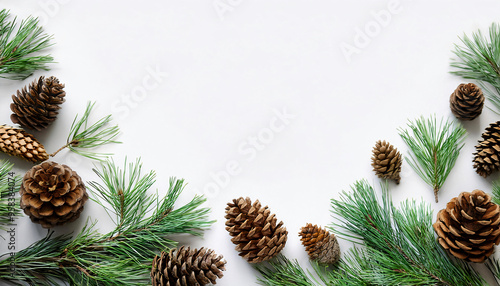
{"x": 221, "y": 76}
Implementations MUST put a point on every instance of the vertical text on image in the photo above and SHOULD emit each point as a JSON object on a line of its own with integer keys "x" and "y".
{"x": 12, "y": 205}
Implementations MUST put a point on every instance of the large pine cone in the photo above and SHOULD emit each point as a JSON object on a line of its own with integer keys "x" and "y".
{"x": 320, "y": 244}
{"x": 467, "y": 101}
{"x": 37, "y": 106}
{"x": 187, "y": 267}
{"x": 487, "y": 155}
{"x": 386, "y": 161}
{"x": 17, "y": 142}
{"x": 52, "y": 194}
{"x": 469, "y": 226}
{"x": 255, "y": 231}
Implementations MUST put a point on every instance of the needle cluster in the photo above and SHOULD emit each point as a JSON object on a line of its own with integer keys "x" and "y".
{"x": 20, "y": 46}
{"x": 434, "y": 148}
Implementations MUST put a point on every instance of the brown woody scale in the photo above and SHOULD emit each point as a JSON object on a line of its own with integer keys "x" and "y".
{"x": 320, "y": 244}
{"x": 386, "y": 161}
{"x": 469, "y": 226}
{"x": 52, "y": 194}
{"x": 467, "y": 101}
{"x": 37, "y": 106}
{"x": 487, "y": 156}
{"x": 17, "y": 142}
{"x": 256, "y": 232}
{"x": 187, "y": 267}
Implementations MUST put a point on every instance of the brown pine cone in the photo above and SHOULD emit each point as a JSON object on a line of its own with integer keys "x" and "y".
{"x": 52, "y": 194}
{"x": 467, "y": 101}
{"x": 469, "y": 226}
{"x": 37, "y": 106}
{"x": 386, "y": 161}
{"x": 256, "y": 232}
{"x": 17, "y": 142}
{"x": 320, "y": 244}
{"x": 187, "y": 267}
{"x": 487, "y": 155}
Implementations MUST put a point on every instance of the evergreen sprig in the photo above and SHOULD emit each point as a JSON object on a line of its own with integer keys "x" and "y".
{"x": 84, "y": 136}
{"x": 479, "y": 59}
{"x": 9, "y": 204}
{"x": 282, "y": 271}
{"x": 395, "y": 246}
{"x": 122, "y": 256}
{"x": 434, "y": 148}
{"x": 19, "y": 45}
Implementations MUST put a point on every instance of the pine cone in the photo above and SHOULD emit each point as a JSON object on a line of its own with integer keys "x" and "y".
{"x": 487, "y": 155}
{"x": 17, "y": 142}
{"x": 187, "y": 267}
{"x": 469, "y": 226}
{"x": 386, "y": 161}
{"x": 320, "y": 244}
{"x": 52, "y": 194}
{"x": 255, "y": 231}
{"x": 467, "y": 101}
{"x": 37, "y": 106}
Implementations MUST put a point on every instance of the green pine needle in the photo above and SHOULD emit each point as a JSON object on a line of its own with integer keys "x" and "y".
{"x": 496, "y": 192}
{"x": 282, "y": 272}
{"x": 9, "y": 204}
{"x": 19, "y": 47}
{"x": 434, "y": 148}
{"x": 479, "y": 59}
{"x": 395, "y": 246}
{"x": 123, "y": 256}
{"x": 82, "y": 136}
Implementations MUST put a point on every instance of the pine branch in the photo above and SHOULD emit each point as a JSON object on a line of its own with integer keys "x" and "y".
{"x": 82, "y": 136}
{"x": 434, "y": 148}
{"x": 18, "y": 46}
{"x": 122, "y": 256}
{"x": 494, "y": 267}
{"x": 281, "y": 271}
{"x": 400, "y": 247}
{"x": 396, "y": 246}
{"x": 9, "y": 204}
{"x": 496, "y": 192}
{"x": 479, "y": 59}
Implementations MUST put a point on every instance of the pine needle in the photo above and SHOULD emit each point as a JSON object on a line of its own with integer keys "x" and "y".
{"x": 9, "y": 204}
{"x": 478, "y": 58}
{"x": 19, "y": 46}
{"x": 395, "y": 246}
{"x": 82, "y": 136}
{"x": 434, "y": 148}
{"x": 123, "y": 256}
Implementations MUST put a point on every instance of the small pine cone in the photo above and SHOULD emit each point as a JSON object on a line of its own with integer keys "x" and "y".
{"x": 469, "y": 226}
{"x": 320, "y": 244}
{"x": 187, "y": 267}
{"x": 467, "y": 101}
{"x": 487, "y": 155}
{"x": 256, "y": 232}
{"x": 52, "y": 194}
{"x": 386, "y": 161}
{"x": 37, "y": 106}
{"x": 17, "y": 142}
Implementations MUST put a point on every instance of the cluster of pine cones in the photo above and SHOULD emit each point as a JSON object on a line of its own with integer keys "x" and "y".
{"x": 51, "y": 194}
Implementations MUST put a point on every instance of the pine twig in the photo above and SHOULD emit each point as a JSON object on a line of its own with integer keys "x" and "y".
{"x": 122, "y": 256}
{"x": 479, "y": 59}
{"x": 434, "y": 148}
{"x": 9, "y": 204}
{"x": 82, "y": 136}
{"x": 18, "y": 46}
